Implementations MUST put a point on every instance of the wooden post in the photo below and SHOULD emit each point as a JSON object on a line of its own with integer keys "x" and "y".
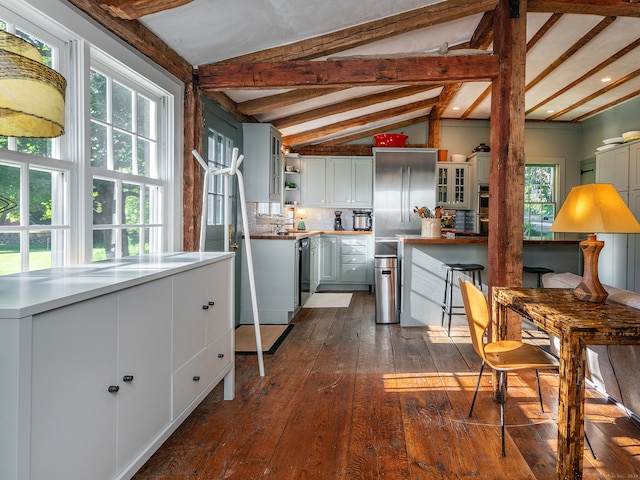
{"x": 192, "y": 174}
{"x": 506, "y": 171}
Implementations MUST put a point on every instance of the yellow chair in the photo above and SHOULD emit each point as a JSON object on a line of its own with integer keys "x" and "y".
{"x": 502, "y": 356}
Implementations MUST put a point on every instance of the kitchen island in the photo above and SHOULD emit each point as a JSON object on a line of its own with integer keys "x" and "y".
{"x": 422, "y": 275}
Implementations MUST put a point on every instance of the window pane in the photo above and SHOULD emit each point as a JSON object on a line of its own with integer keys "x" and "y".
{"x": 144, "y": 116}
{"x": 98, "y": 87}
{"x": 152, "y": 240}
{"x": 144, "y": 157}
{"x": 122, "y": 104}
{"x": 40, "y": 198}
{"x": 99, "y": 150}
{"x": 123, "y": 152}
{"x": 104, "y": 246}
{"x": 35, "y": 146}
{"x": 103, "y": 201}
{"x": 9, "y": 195}
{"x": 9, "y": 253}
{"x": 39, "y": 250}
{"x": 130, "y": 242}
{"x": 131, "y": 204}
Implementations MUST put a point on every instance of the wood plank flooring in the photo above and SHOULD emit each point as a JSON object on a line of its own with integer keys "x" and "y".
{"x": 344, "y": 398}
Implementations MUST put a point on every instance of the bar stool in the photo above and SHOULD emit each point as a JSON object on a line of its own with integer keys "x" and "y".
{"x": 538, "y": 271}
{"x": 473, "y": 270}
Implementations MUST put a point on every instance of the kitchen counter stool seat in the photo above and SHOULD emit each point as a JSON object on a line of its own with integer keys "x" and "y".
{"x": 537, "y": 271}
{"x": 473, "y": 270}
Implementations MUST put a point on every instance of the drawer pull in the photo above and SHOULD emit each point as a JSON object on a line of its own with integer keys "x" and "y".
{"x": 127, "y": 378}
{"x": 211, "y": 303}
{"x": 113, "y": 388}
{"x": 205, "y": 307}
{"x": 196, "y": 378}
{"x": 221, "y": 355}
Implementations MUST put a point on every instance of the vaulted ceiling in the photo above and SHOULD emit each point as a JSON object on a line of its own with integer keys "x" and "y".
{"x": 332, "y": 72}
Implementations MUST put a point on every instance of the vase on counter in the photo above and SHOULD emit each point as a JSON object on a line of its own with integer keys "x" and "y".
{"x": 430, "y": 228}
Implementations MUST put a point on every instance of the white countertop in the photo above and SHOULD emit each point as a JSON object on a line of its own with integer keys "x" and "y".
{"x": 29, "y": 293}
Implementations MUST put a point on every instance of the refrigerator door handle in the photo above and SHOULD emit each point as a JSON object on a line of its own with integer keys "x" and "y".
{"x": 402, "y": 190}
{"x": 408, "y": 194}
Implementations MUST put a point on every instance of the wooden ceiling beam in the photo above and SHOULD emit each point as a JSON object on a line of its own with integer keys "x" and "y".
{"x": 348, "y": 105}
{"x": 139, "y": 37}
{"x": 358, "y": 72}
{"x": 618, "y": 101}
{"x": 311, "y": 135}
{"x": 358, "y": 35}
{"x": 605, "y": 8}
{"x": 271, "y": 102}
{"x": 134, "y": 9}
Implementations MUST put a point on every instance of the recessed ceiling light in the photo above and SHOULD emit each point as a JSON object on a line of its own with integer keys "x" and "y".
{"x": 456, "y": 108}
{"x": 550, "y": 111}
{"x": 605, "y": 79}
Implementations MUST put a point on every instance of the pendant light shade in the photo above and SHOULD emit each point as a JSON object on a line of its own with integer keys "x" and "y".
{"x": 31, "y": 94}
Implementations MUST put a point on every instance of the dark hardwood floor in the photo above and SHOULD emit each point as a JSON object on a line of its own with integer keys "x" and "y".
{"x": 344, "y": 398}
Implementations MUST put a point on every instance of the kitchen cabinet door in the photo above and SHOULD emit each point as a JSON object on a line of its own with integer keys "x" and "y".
{"x": 144, "y": 366}
{"x": 313, "y": 181}
{"x": 453, "y": 187}
{"x": 612, "y": 166}
{"x": 262, "y": 165}
{"x": 362, "y": 183}
{"x": 329, "y": 258}
{"x": 339, "y": 181}
{"x": 315, "y": 264}
{"x": 196, "y": 322}
{"x": 73, "y": 414}
{"x": 482, "y": 167}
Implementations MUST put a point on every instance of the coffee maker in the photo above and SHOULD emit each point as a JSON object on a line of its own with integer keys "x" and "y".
{"x": 337, "y": 222}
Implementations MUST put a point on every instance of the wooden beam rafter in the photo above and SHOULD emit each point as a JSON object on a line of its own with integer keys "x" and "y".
{"x": 310, "y": 135}
{"x": 349, "y": 105}
{"x": 134, "y": 9}
{"x": 605, "y": 8}
{"x": 280, "y": 100}
{"x": 369, "y": 72}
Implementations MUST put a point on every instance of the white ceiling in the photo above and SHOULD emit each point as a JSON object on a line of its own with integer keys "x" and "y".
{"x": 209, "y": 31}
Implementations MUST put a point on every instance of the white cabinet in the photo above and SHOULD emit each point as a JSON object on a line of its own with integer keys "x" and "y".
{"x": 329, "y": 258}
{"x": 453, "y": 185}
{"x": 313, "y": 181}
{"x": 350, "y": 182}
{"x": 88, "y": 363}
{"x": 262, "y": 165}
{"x": 346, "y": 259}
{"x": 315, "y": 263}
{"x": 274, "y": 264}
{"x": 339, "y": 182}
{"x": 482, "y": 167}
{"x": 619, "y": 262}
{"x": 73, "y": 415}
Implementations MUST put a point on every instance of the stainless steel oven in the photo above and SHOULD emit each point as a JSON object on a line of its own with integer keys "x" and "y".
{"x": 482, "y": 210}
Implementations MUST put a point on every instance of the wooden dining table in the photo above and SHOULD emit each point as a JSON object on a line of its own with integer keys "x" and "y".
{"x": 576, "y": 324}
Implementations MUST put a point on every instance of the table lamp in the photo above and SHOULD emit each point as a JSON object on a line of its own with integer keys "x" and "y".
{"x": 301, "y": 213}
{"x": 31, "y": 94}
{"x": 591, "y": 209}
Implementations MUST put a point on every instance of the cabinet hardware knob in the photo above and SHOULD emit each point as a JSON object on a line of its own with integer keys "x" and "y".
{"x": 205, "y": 307}
{"x": 196, "y": 378}
{"x": 221, "y": 355}
{"x": 113, "y": 388}
{"x": 127, "y": 378}
{"x": 212, "y": 302}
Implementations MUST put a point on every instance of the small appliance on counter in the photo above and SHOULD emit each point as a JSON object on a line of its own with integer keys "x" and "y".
{"x": 337, "y": 222}
{"x": 362, "y": 220}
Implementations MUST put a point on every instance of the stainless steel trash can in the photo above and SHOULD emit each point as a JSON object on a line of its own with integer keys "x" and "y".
{"x": 386, "y": 268}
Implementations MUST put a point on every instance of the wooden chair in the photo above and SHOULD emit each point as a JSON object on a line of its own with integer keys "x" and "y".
{"x": 502, "y": 356}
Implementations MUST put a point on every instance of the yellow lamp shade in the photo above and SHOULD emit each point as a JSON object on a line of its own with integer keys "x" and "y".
{"x": 595, "y": 208}
{"x": 31, "y": 94}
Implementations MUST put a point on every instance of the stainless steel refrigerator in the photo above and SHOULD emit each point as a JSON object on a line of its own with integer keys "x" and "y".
{"x": 404, "y": 178}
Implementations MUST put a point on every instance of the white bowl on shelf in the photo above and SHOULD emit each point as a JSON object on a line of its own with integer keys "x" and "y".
{"x": 457, "y": 157}
{"x": 630, "y": 136}
{"x": 613, "y": 140}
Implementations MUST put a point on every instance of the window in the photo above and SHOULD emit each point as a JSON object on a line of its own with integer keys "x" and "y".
{"x": 34, "y": 226}
{"x": 109, "y": 187}
{"x": 127, "y": 191}
{"x": 220, "y": 149}
{"x": 539, "y": 200}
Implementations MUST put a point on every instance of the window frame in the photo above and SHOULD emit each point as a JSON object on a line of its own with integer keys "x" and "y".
{"x": 559, "y": 191}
